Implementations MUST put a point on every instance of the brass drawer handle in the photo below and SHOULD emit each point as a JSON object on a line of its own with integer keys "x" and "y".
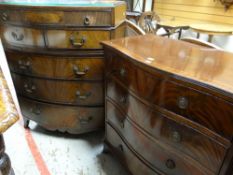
{"x": 4, "y": 16}
{"x": 170, "y": 164}
{"x": 85, "y": 120}
{"x": 120, "y": 147}
{"x": 122, "y": 72}
{"x": 86, "y": 21}
{"x": 84, "y": 96}
{"x": 176, "y": 136}
{"x": 29, "y": 88}
{"x": 24, "y": 65}
{"x": 79, "y": 72}
{"x": 77, "y": 44}
{"x": 122, "y": 123}
{"x": 36, "y": 110}
{"x": 182, "y": 102}
{"x": 123, "y": 100}
{"x": 17, "y": 37}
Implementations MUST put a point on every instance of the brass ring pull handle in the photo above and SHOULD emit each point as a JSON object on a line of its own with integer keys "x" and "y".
{"x": 78, "y": 72}
{"x": 176, "y": 136}
{"x": 4, "y": 16}
{"x": 77, "y": 44}
{"x": 170, "y": 164}
{"x": 36, "y": 110}
{"x": 29, "y": 88}
{"x": 24, "y": 65}
{"x": 182, "y": 102}
{"x": 17, "y": 37}
{"x": 83, "y": 96}
{"x": 86, "y": 21}
{"x": 85, "y": 120}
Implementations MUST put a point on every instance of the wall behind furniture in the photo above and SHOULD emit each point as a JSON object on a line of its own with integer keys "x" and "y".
{"x": 198, "y": 11}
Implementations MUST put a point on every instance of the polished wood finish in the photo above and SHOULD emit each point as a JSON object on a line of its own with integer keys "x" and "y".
{"x": 60, "y": 91}
{"x": 72, "y": 119}
{"x": 57, "y": 67}
{"x": 56, "y": 59}
{"x": 170, "y": 103}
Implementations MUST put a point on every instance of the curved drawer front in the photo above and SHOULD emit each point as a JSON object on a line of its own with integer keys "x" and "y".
{"x": 65, "y": 92}
{"x": 209, "y": 111}
{"x": 58, "y": 18}
{"x": 63, "y": 118}
{"x": 134, "y": 164}
{"x": 22, "y": 37}
{"x": 185, "y": 139}
{"x": 56, "y": 67}
{"x": 158, "y": 154}
{"x": 61, "y": 39}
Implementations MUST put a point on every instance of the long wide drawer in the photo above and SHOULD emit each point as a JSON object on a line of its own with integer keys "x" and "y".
{"x": 63, "y": 118}
{"x": 212, "y": 112}
{"x": 69, "y": 39}
{"x": 182, "y": 138}
{"x": 69, "y": 15}
{"x": 57, "y": 91}
{"x": 71, "y": 68}
{"x": 161, "y": 156}
{"x": 134, "y": 164}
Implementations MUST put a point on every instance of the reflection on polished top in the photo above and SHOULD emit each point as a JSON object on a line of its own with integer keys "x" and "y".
{"x": 82, "y": 3}
{"x": 8, "y": 112}
{"x": 209, "y": 66}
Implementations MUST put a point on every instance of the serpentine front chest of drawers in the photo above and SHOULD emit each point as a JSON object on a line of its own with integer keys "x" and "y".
{"x": 169, "y": 106}
{"x": 56, "y": 60}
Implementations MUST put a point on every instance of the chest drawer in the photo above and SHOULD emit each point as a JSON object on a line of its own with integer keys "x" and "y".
{"x": 167, "y": 131}
{"x": 77, "y": 119}
{"x": 22, "y": 37}
{"x": 71, "y": 68}
{"x": 159, "y": 155}
{"x": 56, "y": 91}
{"x": 212, "y": 112}
{"x": 134, "y": 164}
{"x": 61, "y": 39}
{"x": 76, "y": 17}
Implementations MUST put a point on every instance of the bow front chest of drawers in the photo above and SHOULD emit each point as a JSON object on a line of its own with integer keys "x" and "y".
{"x": 169, "y": 106}
{"x": 56, "y": 59}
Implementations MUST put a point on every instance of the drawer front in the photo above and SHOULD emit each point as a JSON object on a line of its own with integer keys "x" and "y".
{"x": 65, "y": 92}
{"x": 158, "y": 154}
{"x": 61, "y": 39}
{"x": 209, "y": 111}
{"x": 179, "y": 136}
{"x": 56, "y": 67}
{"x": 58, "y": 18}
{"x": 63, "y": 118}
{"x": 134, "y": 164}
{"x": 22, "y": 37}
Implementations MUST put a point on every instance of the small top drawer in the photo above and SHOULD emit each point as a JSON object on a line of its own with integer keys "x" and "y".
{"x": 71, "y": 68}
{"x": 212, "y": 112}
{"x": 61, "y": 39}
{"x": 22, "y": 37}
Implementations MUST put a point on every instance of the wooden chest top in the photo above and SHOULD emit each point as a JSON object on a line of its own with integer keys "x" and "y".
{"x": 208, "y": 68}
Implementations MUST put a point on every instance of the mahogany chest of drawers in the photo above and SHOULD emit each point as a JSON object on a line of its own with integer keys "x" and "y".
{"x": 56, "y": 59}
{"x": 169, "y": 106}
